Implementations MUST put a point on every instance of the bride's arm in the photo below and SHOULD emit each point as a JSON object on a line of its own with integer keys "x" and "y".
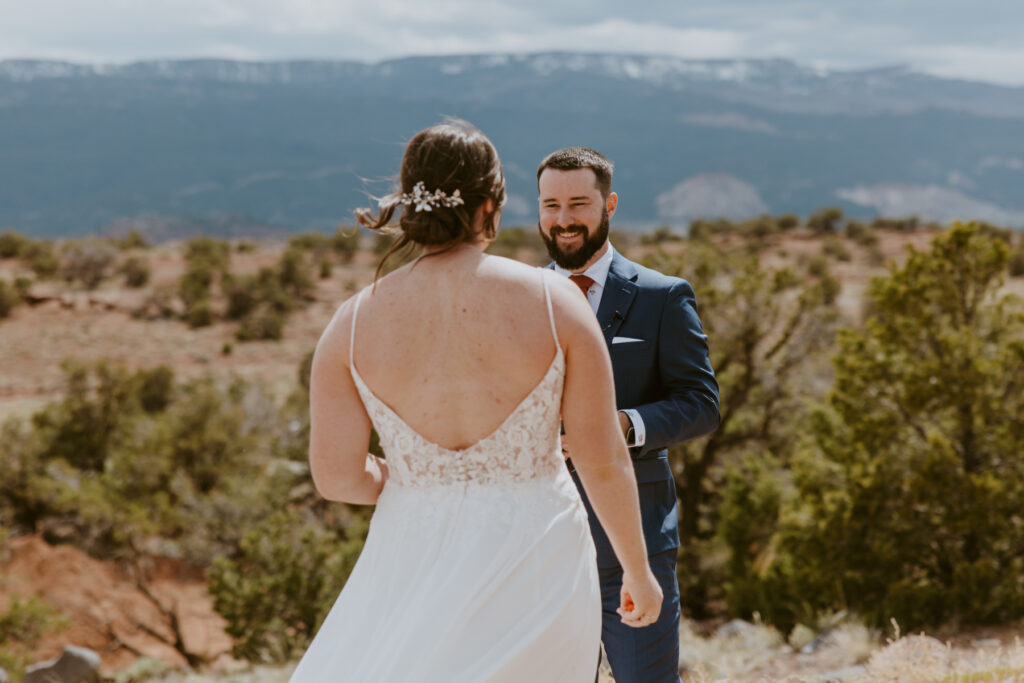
{"x": 599, "y": 451}
{"x": 339, "y": 434}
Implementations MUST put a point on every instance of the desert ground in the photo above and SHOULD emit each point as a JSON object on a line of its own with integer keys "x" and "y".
{"x": 111, "y": 614}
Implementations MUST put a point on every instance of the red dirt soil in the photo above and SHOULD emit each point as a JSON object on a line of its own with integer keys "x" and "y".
{"x": 107, "y": 611}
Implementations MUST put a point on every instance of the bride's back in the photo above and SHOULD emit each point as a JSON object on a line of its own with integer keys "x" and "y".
{"x": 454, "y": 343}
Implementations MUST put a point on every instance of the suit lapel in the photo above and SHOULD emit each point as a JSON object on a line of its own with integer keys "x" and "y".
{"x": 618, "y": 295}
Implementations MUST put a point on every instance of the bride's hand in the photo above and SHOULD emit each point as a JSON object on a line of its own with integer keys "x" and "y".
{"x": 640, "y": 599}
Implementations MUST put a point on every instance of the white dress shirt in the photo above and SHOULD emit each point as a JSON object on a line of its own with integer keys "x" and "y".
{"x": 598, "y": 272}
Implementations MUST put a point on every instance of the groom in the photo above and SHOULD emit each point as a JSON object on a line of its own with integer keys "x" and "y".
{"x": 665, "y": 389}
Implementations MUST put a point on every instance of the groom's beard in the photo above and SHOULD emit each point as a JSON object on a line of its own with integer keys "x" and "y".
{"x": 578, "y": 258}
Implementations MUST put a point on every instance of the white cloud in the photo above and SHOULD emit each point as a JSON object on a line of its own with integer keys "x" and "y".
{"x": 612, "y": 35}
{"x": 994, "y": 63}
{"x": 941, "y": 36}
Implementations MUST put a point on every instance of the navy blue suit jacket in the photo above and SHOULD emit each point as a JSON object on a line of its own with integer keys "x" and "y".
{"x": 666, "y": 377}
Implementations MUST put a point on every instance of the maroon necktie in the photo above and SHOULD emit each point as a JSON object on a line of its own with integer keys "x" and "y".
{"x": 583, "y": 282}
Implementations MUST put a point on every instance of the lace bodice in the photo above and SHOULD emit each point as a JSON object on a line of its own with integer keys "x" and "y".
{"x": 525, "y": 447}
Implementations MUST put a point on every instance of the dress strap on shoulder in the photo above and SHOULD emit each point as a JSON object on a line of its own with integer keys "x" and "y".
{"x": 352, "y": 333}
{"x": 551, "y": 312}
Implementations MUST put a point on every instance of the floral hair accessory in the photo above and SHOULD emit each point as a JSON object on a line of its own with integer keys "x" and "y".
{"x": 426, "y": 201}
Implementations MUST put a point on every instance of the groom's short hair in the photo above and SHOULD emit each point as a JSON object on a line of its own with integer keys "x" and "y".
{"x": 572, "y": 158}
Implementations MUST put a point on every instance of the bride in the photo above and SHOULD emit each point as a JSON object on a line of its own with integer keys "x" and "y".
{"x": 479, "y": 564}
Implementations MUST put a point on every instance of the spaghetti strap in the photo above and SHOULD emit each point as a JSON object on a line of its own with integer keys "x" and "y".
{"x": 352, "y": 335}
{"x": 551, "y": 312}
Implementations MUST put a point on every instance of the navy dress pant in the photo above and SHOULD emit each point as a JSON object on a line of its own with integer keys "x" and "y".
{"x": 649, "y": 654}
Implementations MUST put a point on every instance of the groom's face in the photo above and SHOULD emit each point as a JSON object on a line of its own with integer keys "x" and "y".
{"x": 573, "y": 216}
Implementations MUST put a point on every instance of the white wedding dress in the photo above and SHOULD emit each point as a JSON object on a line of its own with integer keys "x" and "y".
{"x": 478, "y": 566}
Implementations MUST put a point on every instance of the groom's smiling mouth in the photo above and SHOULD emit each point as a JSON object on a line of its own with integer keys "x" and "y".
{"x": 569, "y": 235}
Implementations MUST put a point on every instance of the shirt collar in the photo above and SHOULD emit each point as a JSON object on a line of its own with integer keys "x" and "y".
{"x": 598, "y": 271}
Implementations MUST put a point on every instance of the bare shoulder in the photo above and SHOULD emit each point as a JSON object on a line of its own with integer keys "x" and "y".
{"x": 334, "y": 342}
{"x": 574, "y": 318}
{"x": 501, "y": 266}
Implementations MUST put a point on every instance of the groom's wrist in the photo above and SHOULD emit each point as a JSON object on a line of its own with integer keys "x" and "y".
{"x": 626, "y": 425}
{"x": 633, "y": 429}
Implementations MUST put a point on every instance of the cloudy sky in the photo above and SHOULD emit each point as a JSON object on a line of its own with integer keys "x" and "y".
{"x": 981, "y": 40}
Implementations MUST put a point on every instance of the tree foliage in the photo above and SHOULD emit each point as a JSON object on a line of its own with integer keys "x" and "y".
{"x": 907, "y": 500}
{"x": 24, "y": 623}
{"x": 276, "y": 592}
{"x": 766, "y": 329}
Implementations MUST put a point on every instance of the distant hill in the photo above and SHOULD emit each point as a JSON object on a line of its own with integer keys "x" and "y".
{"x": 299, "y": 145}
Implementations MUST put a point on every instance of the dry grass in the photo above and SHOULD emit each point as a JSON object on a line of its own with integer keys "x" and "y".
{"x": 741, "y": 652}
{"x": 249, "y": 674}
{"x": 849, "y": 652}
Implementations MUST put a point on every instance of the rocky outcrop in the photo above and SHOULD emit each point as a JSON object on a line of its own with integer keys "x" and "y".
{"x": 75, "y": 665}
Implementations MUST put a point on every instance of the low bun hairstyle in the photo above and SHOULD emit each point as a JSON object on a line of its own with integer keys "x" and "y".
{"x": 449, "y": 157}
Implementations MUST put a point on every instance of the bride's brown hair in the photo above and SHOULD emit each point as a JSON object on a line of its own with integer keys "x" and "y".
{"x": 451, "y": 156}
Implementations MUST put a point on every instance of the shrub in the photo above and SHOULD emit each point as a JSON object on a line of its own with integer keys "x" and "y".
{"x": 509, "y": 241}
{"x": 862, "y": 234}
{"x": 788, "y": 221}
{"x": 22, "y": 626}
{"x": 325, "y": 269}
{"x": 271, "y": 291}
{"x": 136, "y": 272}
{"x": 750, "y": 508}
{"x": 263, "y": 324}
{"x": 196, "y": 283}
{"x": 213, "y": 253}
{"x": 760, "y": 227}
{"x": 346, "y": 243}
{"x": 277, "y": 591}
{"x": 41, "y": 258}
{"x": 293, "y": 272}
{"x": 131, "y": 240}
{"x": 1016, "y": 263}
{"x": 825, "y": 220}
{"x": 382, "y": 242}
{"x": 817, "y": 265}
{"x": 9, "y": 298}
{"x": 906, "y": 502}
{"x": 155, "y": 387}
{"x": 12, "y": 244}
{"x": 833, "y": 247}
{"x": 908, "y": 224}
{"x": 315, "y": 242}
{"x": 87, "y": 261}
{"x": 22, "y": 285}
{"x": 205, "y": 259}
{"x": 126, "y": 457}
{"x": 80, "y": 428}
{"x": 200, "y": 313}
{"x": 989, "y": 230}
{"x": 160, "y": 303}
{"x": 261, "y": 301}
{"x": 660, "y": 235}
{"x": 241, "y": 294}
{"x": 701, "y": 228}
{"x": 771, "y": 329}
{"x": 208, "y": 433}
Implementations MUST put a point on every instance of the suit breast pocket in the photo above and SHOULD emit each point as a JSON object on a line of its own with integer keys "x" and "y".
{"x": 628, "y": 345}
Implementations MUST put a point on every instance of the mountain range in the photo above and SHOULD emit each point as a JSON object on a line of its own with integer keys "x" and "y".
{"x": 299, "y": 145}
